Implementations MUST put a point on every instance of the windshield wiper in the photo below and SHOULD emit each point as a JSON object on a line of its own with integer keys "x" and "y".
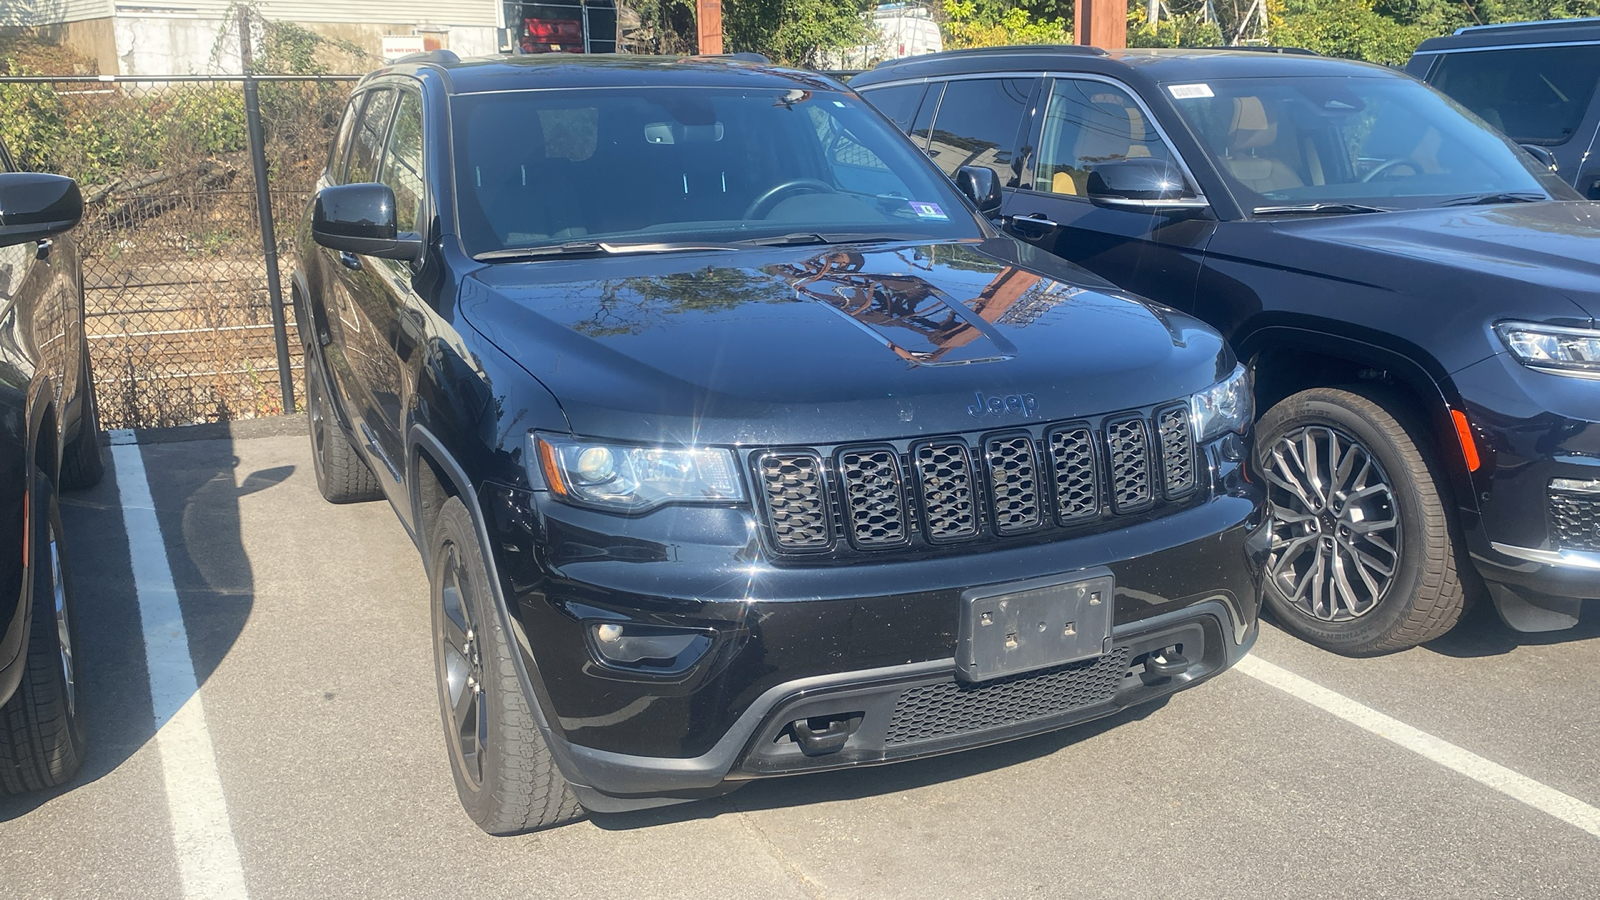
{"x": 801, "y": 238}
{"x": 589, "y": 248}
{"x": 1496, "y": 197}
{"x": 1316, "y": 208}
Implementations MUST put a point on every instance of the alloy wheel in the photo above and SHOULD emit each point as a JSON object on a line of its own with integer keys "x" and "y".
{"x": 462, "y": 672}
{"x": 1335, "y": 524}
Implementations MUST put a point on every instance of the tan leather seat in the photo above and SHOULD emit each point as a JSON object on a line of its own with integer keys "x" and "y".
{"x": 1249, "y": 132}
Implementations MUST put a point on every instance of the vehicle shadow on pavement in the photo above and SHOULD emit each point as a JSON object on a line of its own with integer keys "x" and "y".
{"x": 869, "y": 781}
{"x": 196, "y": 490}
{"x": 1481, "y": 633}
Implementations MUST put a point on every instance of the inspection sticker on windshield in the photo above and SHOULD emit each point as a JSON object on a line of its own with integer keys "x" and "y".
{"x": 1189, "y": 91}
{"x": 927, "y": 210}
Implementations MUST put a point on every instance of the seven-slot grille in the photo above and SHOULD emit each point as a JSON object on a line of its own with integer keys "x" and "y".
{"x": 956, "y": 488}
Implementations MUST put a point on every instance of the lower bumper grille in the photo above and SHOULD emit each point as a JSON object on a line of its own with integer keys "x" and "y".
{"x": 936, "y": 711}
{"x": 1575, "y": 520}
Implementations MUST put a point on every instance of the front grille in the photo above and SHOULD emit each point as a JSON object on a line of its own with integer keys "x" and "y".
{"x": 873, "y": 502}
{"x": 1177, "y": 450}
{"x": 797, "y": 504}
{"x": 917, "y": 494}
{"x": 1131, "y": 488}
{"x": 1575, "y": 520}
{"x": 953, "y": 708}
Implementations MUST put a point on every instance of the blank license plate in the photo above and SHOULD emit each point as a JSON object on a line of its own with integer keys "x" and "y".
{"x": 1006, "y": 629}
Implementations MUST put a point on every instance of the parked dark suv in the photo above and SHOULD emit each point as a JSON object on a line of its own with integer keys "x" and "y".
{"x": 1535, "y": 81}
{"x": 736, "y": 444}
{"x": 1413, "y": 293}
{"x": 49, "y": 440}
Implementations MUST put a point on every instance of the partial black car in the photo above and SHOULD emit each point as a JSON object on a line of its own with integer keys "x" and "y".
{"x": 49, "y": 441}
{"x": 1535, "y": 81}
{"x": 1412, "y": 292}
{"x": 736, "y": 444}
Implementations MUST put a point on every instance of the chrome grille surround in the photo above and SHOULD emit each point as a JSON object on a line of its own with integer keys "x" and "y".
{"x": 873, "y": 502}
{"x": 1177, "y": 451}
{"x": 1013, "y": 482}
{"x": 944, "y": 476}
{"x": 793, "y": 486}
{"x": 1132, "y": 487}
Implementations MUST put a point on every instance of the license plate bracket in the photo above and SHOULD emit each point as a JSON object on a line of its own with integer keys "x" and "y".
{"x": 1027, "y": 625}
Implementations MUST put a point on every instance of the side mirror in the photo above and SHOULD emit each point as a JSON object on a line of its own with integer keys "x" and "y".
{"x": 981, "y": 185}
{"x": 34, "y": 207}
{"x": 1141, "y": 183}
{"x": 360, "y": 219}
{"x": 1542, "y": 154}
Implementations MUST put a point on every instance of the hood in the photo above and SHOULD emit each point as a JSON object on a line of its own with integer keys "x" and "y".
{"x": 1549, "y": 247}
{"x": 818, "y": 345}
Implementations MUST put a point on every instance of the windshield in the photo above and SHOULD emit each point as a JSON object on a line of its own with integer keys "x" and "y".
{"x": 541, "y": 168}
{"x": 1380, "y": 142}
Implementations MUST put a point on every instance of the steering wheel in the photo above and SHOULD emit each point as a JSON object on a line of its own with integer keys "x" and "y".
{"x": 1388, "y": 164}
{"x": 760, "y": 206}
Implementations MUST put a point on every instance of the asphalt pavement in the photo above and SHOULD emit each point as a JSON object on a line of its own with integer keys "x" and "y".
{"x": 307, "y": 629}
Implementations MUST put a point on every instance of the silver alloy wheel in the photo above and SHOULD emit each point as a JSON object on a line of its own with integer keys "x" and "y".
{"x": 63, "y": 626}
{"x": 1335, "y": 524}
{"x": 463, "y": 673}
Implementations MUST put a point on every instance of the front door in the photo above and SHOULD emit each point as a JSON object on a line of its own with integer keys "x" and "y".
{"x": 1085, "y": 123}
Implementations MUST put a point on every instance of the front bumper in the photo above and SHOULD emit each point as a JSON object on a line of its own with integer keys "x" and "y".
{"x": 793, "y": 643}
{"x": 1534, "y": 429}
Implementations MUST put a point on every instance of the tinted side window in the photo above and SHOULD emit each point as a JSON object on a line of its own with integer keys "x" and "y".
{"x": 899, "y": 103}
{"x": 924, "y": 122}
{"x": 340, "y": 151}
{"x": 1537, "y": 95}
{"x": 402, "y": 164}
{"x": 1086, "y": 124}
{"x": 368, "y": 144}
{"x": 977, "y": 124}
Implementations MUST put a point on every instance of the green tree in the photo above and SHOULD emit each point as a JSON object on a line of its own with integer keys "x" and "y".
{"x": 993, "y": 23}
{"x": 1353, "y": 29}
{"x": 795, "y": 32}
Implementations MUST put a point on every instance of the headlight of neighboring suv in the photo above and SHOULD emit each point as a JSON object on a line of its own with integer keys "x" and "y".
{"x": 1226, "y": 406}
{"x": 1551, "y": 348}
{"x": 632, "y": 478}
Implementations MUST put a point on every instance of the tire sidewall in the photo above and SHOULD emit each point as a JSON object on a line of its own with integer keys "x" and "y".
{"x": 69, "y": 754}
{"x": 317, "y": 402}
{"x": 1323, "y": 408}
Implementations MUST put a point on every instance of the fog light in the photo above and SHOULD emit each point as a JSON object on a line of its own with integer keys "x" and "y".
{"x": 653, "y": 648}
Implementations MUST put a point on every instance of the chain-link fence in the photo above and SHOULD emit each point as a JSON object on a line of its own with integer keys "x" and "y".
{"x": 178, "y": 311}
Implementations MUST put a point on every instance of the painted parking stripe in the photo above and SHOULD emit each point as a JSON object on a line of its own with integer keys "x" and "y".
{"x": 208, "y": 859}
{"x": 1519, "y": 787}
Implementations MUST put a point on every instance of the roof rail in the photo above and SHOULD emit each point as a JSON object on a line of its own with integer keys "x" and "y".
{"x": 1264, "y": 48}
{"x": 756, "y": 58}
{"x": 438, "y": 57}
{"x": 1078, "y": 49}
{"x": 1543, "y": 23}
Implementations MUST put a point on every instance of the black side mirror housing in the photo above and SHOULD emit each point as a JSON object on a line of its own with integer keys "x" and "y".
{"x": 981, "y": 185}
{"x": 1542, "y": 154}
{"x": 34, "y": 206}
{"x": 360, "y": 219}
{"x": 1141, "y": 182}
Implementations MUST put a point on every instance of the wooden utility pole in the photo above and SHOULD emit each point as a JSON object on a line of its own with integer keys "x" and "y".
{"x": 1102, "y": 23}
{"x": 708, "y": 22}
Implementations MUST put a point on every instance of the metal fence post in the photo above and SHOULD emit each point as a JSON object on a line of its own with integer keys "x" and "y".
{"x": 269, "y": 237}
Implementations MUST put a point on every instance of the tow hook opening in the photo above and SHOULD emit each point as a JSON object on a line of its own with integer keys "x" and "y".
{"x": 1160, "y": 665}
{"x": 821, "y": 735}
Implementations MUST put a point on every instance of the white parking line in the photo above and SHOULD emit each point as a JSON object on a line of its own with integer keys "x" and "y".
{"x": 1519, "y": 787}
{"x": 208, "y": 860}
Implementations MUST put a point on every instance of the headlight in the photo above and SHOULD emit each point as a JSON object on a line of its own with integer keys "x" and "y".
{"x": 1226, "y": 406}
{"x": 1551, "y": 348}
{"x": 631, "y": 478}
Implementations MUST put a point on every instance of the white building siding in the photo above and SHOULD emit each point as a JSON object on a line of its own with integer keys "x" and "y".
{"x": 54, "y": 12}
{"x": 376, "y": 12}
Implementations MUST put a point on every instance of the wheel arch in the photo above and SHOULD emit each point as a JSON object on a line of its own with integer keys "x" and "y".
{"x": 1285, "y": 360}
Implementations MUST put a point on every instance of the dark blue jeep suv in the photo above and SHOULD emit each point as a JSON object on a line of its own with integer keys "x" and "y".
{"x": 737, "y": 444}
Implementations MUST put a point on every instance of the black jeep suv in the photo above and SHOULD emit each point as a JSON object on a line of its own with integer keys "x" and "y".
{"x": 736, "y": 444}
{"x": 1535, "y": 81}
{"x": 1413, "y": 293}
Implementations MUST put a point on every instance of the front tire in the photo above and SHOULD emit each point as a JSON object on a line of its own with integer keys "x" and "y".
{"x": 505, "y": 775}
{"x": 42, "y": 739}
{"x": 1363, "y": 559}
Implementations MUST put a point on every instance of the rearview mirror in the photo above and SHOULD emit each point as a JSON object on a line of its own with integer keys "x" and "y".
{"x": 981, "y": 185}
{"x": 1143, "y": 183}
{"x": 34, "y": 207}
{"x": 360, "y": 219}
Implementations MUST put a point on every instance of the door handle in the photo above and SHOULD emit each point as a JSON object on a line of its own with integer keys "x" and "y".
{"x": 350, "y": 260}
{"x": 1033, "y": 220}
